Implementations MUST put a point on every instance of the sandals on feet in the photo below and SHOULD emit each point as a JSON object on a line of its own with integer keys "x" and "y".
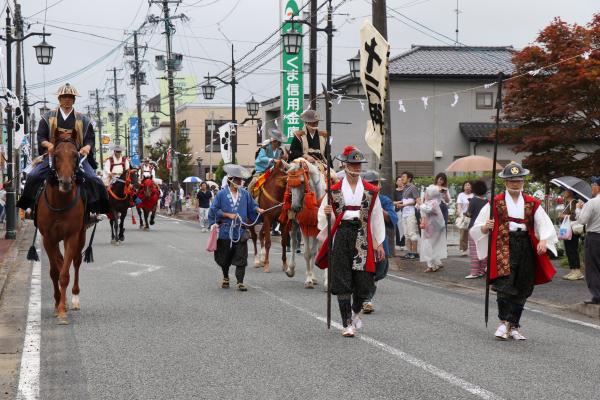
{"x": 225, "y": 283}
{"x": 241, "y": 287}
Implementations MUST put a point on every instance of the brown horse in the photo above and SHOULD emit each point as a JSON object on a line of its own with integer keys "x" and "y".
{"x": 60, "y": 217}
{"x": 270, "y": 197}
{"x": 148, "y": 195}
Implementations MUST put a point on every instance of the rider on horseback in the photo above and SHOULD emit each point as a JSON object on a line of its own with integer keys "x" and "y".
{"x": 148, "y": 170}
{"x": 309, "y": 142}
{"x": 266, "y": 156}
{"x": 61, "y": 123}
{"x": 115, "y": 165}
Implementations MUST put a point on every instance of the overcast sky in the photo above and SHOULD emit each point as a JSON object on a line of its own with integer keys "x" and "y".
{"x": 247, "y": 22}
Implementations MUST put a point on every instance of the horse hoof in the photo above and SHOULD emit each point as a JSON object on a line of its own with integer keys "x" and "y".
{"x": 257, "y": 264}
{"x": 266, "y": 269}
{"x": 121, "y": 238}
{"x": 314, "y": 281}
{"x": 290, "y": 272}
{"x": 62, "y": 320}
{"x": 141, "y": 226}
{"x": 146, "y": 228}
{"x": 113, "y": 241}
{"x": 75, "y": 305}
{"x": 308, "y": 285}
{"x": 118, "y": 243}
{"x": 152, "y": 222}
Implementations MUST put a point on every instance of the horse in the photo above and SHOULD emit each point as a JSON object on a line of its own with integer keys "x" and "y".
{"x": 270, "y": 197}
{"x": 148, "y": 195}
{"x": 120, "y": 196}
{"x": 306, "y": 188}
{"x": 60, "y": 215}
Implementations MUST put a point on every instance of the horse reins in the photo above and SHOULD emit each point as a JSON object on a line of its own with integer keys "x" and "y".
{"x": 126, "y": 191}
{"x": 67, "y": 208}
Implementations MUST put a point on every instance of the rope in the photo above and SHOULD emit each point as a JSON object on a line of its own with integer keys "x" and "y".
{"x": 234, "y": 225}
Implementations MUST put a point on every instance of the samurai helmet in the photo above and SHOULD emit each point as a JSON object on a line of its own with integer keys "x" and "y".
{"x": 352, "y": 155}
{"x": 67, "y": 90}
{"x": 514, "y": 172}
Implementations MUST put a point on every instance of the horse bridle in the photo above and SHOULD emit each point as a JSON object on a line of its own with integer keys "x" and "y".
{"x": 126, "y": 182}
{"x": 77, "y": 161}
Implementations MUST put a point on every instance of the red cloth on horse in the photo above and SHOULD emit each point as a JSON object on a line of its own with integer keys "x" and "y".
{"x": 544, "y": 270}
{"x": 149, "y": 202}
{"x": 322, "y": 260}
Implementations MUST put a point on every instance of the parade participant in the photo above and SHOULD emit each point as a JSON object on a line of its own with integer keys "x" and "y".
{"x": 309, "y": 141}
{"x": 433, "y": 246}
{"x": 266, "y": 156}
{"x": 115, "y": 165}
{"x": 590, "y": 217}
{"x": 391, "y": 221}
{"x": 358, "y": 232}
{"x": 410, "y": 194}
{"x": 231, "y": 207}
{"x": 476, "y": 203}
{"x": 521, "y": 232}
{"x": 62, "y": 123}
{"x": 204, "y": 196}
{"x": 147, "y": 169}
{"x": 571, "y": 245}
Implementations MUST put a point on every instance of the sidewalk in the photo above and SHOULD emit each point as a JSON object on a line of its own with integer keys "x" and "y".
{"x": 9, "y": 250}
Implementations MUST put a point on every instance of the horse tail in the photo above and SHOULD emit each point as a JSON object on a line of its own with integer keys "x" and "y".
{"x": 32, "y": 254}
{"x": 88, "y": 255}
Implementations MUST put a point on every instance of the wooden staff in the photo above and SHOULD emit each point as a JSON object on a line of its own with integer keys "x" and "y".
{"x": 329, "y": 200}
{"x": 493, "y": 191}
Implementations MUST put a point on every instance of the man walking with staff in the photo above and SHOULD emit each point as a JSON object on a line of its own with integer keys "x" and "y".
{"x": 358, "y": 231}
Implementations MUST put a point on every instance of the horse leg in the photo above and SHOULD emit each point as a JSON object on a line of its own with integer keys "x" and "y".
{"x": 153, "y": 215}
{"x": 308, "y": 282}
{"x": 64, "y": 278}
{"x": 146, "y": 226}
{"x": 139, "y": 211}
{"x": 75, "y": 305}
{"x": 254, "y": 237}
{"x": 113, "y": 237}
{"x": 291, "y": 270}
{"x": 122, "y": 226}
{"x": 262, "y": 245}
{"x": 314, "y": 248}
{"x": 53, "y": 252}
{"x": 267, "y": 237}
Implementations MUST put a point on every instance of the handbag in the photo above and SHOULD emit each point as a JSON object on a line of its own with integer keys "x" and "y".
{"x": 564, "y": 231}
{"x": 577, "y": 228}
{"x": 462, "y": 221}
{"x": 211, "y": 243}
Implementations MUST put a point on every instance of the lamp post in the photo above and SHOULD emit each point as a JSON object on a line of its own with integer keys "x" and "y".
{"x": 354, "y": 64}
{"x": 199, "y": 162}
{"x": 43, "y": 53}
{"x": 208, "y": 91}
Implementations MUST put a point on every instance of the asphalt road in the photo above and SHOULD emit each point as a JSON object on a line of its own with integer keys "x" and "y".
{"x": 154, "y": 324}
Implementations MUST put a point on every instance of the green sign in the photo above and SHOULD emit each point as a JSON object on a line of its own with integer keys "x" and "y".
{"x": 292, "y": 84}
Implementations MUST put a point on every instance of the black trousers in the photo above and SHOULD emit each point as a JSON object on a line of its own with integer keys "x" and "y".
{"x": 572, "y": 250}
{"x": 352, "y": 287}
{"x": 228, "y": 254}
{"x": 592, "y": 264}
{"x": 513, "y": 290}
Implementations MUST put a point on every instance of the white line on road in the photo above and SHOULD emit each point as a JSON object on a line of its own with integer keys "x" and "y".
{"x": 29, "y": 373}
{"x": 147, "y": 267}
{"x": 432, "y": 369}
{"x": 533, "y": 310}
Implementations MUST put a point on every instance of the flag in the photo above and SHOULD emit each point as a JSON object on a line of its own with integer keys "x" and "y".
{"x": 169, "y": 158}
{"x": 374, "y": 57}
{"x": 225, "y": 133}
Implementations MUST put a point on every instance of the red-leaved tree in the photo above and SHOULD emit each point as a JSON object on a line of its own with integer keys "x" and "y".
{"x": 557, "y": 107}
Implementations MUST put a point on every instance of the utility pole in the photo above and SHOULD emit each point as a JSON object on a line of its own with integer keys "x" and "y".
{"x": 18, "y": 87}
{"x": 99, "y": 125}
{"x": 116, "y": 105}
{"x": 138, "y": 96}
{"x": 313, "y": 55}
{"x": 379, "y": 10}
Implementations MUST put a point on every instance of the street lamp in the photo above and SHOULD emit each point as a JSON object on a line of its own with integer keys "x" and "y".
{"x": 252, "y": 107}
{"x": 44, "y": 54}
{"x": 155, "y": 121}
{"x": 184, "y": 132}
{"x": 199, "y": 161}
{"x": 208, "y": 90}
{"x": 354, "y": 64}
{"x": 292, "y": 41}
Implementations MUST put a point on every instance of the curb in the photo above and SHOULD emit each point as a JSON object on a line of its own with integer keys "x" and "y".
{"x": 11, "y": 258}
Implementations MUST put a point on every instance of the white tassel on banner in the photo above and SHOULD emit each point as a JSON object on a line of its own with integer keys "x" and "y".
{"x": 535, "y": 72}
{"x": 339, "y": 99}
{"x": 489, "y": 85}
{"x": 586, "y": 55}
{"x": 425, "y": 100}
{"x": 401, "y": 106}
{"x": 455, "y": 102}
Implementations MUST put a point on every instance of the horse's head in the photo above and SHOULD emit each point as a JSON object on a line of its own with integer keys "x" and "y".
{"x": 148, "y": 185}
{"x": 132, "y": 175}
{"x": 65, "y": 162}
{"x": 296, "y": 184}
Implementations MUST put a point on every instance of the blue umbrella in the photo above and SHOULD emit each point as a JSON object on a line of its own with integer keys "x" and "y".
{"x": 192, "y": 179}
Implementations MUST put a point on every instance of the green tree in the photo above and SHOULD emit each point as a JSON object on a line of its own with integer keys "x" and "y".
{"x": 158, "y": 152}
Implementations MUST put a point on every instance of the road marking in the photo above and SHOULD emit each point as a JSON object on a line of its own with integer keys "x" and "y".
{"x": 29, "y": 373}
{"x": 534, "y": 310}
{"x": 147, "y": 267}
{"x": 176, "y": 248}
{"x": 431, "y": 369}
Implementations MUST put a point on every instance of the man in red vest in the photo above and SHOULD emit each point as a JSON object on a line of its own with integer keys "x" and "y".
{"x": 358, "y": 232}
{"x": 521, "y": 233}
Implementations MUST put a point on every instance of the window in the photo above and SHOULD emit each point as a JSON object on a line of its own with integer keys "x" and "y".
{"x": 484, "y": 100}
{"x": 211, "y": 128}
{"x": 418, "y": 168}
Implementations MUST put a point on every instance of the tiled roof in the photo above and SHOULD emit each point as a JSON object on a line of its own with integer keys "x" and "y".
{"x": 481, "y": 131}
{"x": 453, "y": 61}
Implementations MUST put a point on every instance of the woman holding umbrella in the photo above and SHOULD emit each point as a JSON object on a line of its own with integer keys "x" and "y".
{"x": 571, "y": 245}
